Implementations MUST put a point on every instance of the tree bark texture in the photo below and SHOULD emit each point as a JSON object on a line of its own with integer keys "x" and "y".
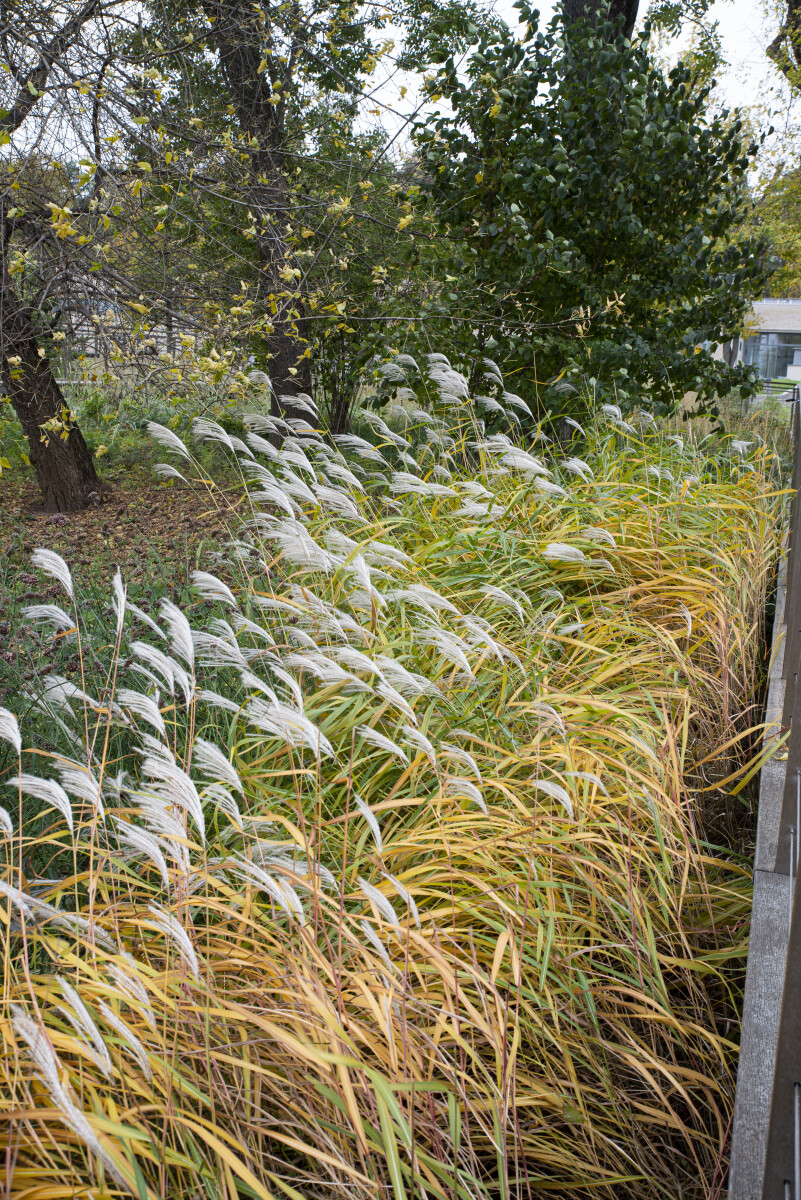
{"x": 64, "y": 466}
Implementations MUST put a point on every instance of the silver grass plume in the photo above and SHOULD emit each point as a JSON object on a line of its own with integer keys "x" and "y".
{"x": 142, "y": 706}
{"x": 405, "y": 895}
{"x": 577, "y": 466}
{"x": 561, "y": 552}
{"x": 50, "y": 1071}
{"x": 120, "y": 594}
{"x": 589, "y": 777}
{"x": 49, "y": 614}
{"x": 417, "y": 739}
{"x": 549, "y": 488}
{"x": 595, "y": 534}
{"x": 145, "y": 619}
{"x": 212, "y": 588}
{"x": 167, "y": 471}
{"x": 180, "y": 632}
{"x": 256, "y": 442}
{"x": 79, "y": 781}
{"x": 449, "y": 645}
{"x": 131, "y": 985}
{"x": 378, "y": 900}
{"x": 377, "y": 944}
{"x": 140, "y": 841}
{"x": 556, "y": 792}
{"x": 174, "y": 932}
{"x": 9, "y": 730}
{"x": 212, "y": 763}
{"x": 285, "y": 896}
{"x": 129, "y": 1038}
{"x": 173, "y": 786}
{"x": 80, "y": 1018}
{"x": 371, "y": 820}
{"x": 46, "y": 790}
{"x": 502, "y": 597}
{"x": 457, "y": 754}
{"x": 456, "y": 786}
{"x": 53, "y": 565}
{"x": 165, "y": 437}
{"x": 374, "y": 738}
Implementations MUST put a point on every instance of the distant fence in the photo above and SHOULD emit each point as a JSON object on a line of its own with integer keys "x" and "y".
{"x": 780, "y": 389}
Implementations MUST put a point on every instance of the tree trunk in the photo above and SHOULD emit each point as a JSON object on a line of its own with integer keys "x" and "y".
{"x": 286, "y": 350}
{"x": 731, "y": 352}
{"x": 63, "y": 464}
{"x": 785, "y": 49}
{"x": 238, "y": 38}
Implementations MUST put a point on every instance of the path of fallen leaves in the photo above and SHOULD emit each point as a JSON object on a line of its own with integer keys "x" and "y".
{"x": 155, "y": 531}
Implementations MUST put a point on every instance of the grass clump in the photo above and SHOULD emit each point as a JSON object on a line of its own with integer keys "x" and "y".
{"x": 378, "y": 870}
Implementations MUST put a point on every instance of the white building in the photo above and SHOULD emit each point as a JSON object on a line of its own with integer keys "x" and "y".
{"x": 776, "y": 349}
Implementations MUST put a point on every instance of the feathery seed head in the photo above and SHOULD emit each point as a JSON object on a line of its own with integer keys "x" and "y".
{"x": 53, "y": 565}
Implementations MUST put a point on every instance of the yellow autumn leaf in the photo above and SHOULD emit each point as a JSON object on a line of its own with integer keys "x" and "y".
{"x": 404, "y": 221}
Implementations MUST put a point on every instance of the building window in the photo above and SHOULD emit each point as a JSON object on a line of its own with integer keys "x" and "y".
{"x": 773, "y": 353}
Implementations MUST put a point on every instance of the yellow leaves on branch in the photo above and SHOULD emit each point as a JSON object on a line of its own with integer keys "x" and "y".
{"x": 62, "y": 220}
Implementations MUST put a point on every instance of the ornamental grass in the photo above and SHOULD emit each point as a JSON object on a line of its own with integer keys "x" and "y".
{"x": 382, "y": 869}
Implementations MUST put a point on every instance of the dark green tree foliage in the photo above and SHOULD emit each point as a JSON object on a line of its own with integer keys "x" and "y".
{"x": 591, "y": 206}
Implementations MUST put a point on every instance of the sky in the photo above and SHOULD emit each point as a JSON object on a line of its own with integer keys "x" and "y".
{"x": 745, "y": 32}
{"x": 747, "y": 80}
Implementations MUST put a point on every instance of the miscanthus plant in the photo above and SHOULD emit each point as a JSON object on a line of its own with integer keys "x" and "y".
{"x": 377, "y": 872}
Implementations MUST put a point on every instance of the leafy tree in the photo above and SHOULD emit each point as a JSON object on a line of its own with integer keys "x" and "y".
{"x": 591, "y": 206}
{"x": 288, "y": 190}
{"x": 208, "y": 205}
{"x": 606, "y": 16}
{"x": 778, "y": 218}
